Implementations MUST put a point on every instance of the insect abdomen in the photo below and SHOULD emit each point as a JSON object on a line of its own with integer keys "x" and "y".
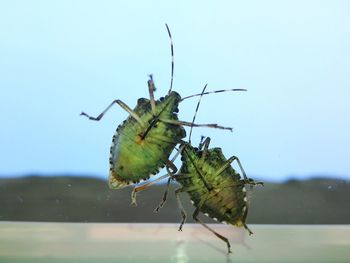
{"x": 227, "y": 205}
{"x": 139, "y": 149}
{"x": 224, "y": 193}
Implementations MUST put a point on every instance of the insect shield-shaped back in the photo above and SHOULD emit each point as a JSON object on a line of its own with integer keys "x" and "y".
{"x": 222, "y": 196}
{"x": 214, "y": 187}
{"x": 140, "y": 149}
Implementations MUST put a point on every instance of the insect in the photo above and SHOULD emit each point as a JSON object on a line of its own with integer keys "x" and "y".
{"x": 215, "y": 188}
{"x": 143, "y": 143}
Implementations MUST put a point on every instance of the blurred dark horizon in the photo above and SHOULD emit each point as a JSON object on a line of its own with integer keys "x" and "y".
{"x": 87, "y": 199}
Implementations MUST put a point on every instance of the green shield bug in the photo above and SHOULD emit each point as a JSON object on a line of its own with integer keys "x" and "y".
{"x": 216, "y": 189}
{"x": 143, "y": 143}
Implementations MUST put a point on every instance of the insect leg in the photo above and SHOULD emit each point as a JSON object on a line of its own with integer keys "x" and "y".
{"x": 171, "y": 166}
{"x": 143, "y": 187}
{"x": 164, "y": 196}
{"x": 121, "y": 104}
{"x": 190, "y": 124}
{"x": 228, "y": 163}
{"x": 171, "y": 169}
{"x": 246, "y": 179}
{"x": 178, "y": 151}
{"x": 182, "y": 210}
{"x": 243, "y": 221}
{"x": 170, "y": 163}
{"x": 151, "y": 89}
{"x": 195, "y": 214}
{"x": 205, "y": 144}
{"x": 246, "y": 227}
{"x": 171, "y": 174}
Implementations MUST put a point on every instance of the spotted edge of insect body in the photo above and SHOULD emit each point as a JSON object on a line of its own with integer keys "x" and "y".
{"x": 244, "y": 208}
{"x": 114, "y": 181}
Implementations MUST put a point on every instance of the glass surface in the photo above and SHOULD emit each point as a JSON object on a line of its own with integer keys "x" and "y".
{"x": 57, "y": 242}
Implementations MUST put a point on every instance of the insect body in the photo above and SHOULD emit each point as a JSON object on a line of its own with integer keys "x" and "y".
{"x": 215, "y": 188}
{"x": 141, "y": 146}
{"x": 143, "y": 143}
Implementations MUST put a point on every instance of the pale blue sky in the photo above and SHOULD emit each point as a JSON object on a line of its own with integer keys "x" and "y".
{"x": 58, "y": 58}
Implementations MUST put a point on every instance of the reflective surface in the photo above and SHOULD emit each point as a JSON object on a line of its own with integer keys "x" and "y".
{"x": 70, "y": 242}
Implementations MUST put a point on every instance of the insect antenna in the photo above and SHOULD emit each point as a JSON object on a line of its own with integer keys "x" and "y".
{"x": 172, "y": 59}
{"x": 211, "y": 92}
{"x": 195, "y": 113}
